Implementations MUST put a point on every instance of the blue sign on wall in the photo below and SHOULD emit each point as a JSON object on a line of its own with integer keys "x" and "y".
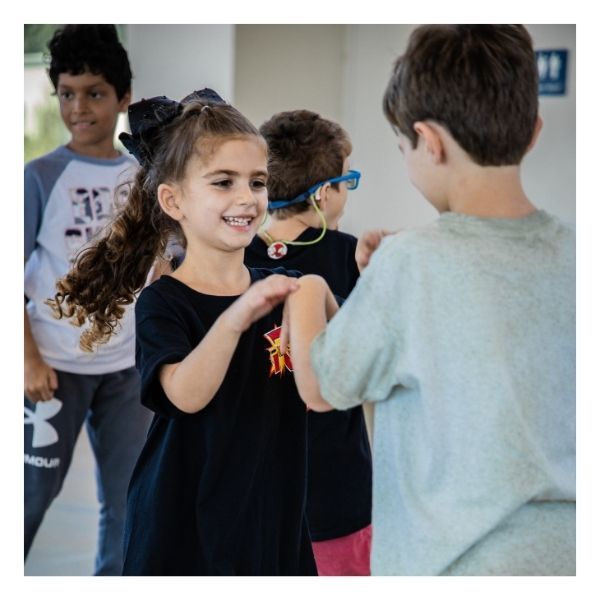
{"x": 552, "y": 70}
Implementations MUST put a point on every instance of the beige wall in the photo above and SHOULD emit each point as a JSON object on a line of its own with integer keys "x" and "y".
{"x": 285, "y": 67}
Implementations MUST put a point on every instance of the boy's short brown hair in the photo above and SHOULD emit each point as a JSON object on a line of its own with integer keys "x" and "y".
{"x": 304, "y": 149}
{"x": 479, "y": 81}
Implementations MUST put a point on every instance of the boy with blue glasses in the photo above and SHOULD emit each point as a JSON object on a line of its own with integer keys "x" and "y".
{"x": 309, "y": 179}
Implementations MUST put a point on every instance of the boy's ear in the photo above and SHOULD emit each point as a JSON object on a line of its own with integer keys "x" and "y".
{"x": 125, "y": 101}
{"x": 536, "y": 132}
{"x": 430, "y": 136}
{"x": 169, "y": 199}
{"x": 321, "y": 195}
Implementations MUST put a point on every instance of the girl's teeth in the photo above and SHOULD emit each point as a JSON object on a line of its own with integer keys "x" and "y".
{"x": 233, "y": 221}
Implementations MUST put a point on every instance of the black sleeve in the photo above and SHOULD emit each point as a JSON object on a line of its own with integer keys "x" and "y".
{"x": 352, "y": 267}
{"x": 161, "y": 338}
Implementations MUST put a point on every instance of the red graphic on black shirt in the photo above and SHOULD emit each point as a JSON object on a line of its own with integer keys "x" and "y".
{"x": 279, "y": 362}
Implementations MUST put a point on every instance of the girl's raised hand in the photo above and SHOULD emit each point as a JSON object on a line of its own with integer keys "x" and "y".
{"x": 260, "y": 298}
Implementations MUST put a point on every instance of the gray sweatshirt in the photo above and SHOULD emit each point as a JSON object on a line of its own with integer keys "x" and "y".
{"x": 463, "y": 335}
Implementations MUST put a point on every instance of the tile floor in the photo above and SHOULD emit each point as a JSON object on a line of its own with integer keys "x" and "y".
{"x": 66, "y": 541}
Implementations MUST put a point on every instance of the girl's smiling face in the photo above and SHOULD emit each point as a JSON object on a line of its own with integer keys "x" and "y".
{"x": 222, "y": 199}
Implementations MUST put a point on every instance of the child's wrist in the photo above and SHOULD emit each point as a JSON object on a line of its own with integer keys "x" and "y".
{"x": 33, "y": 356}
{"x": 229, "y": 322}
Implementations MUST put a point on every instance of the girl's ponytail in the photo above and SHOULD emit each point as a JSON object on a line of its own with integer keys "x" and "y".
{"x": 109, "y": 273}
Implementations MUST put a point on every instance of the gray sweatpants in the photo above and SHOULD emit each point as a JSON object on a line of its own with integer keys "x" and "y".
{"x": 117, "y": 425}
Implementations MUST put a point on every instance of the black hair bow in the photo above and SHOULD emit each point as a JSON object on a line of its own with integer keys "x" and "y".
{"x": 148, "y": 116}
{"x": 206, "y": 95}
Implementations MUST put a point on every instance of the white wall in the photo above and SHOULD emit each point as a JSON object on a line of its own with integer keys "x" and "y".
{"x": 386, "y": 196}
{"x": 174, "y": 60}
{"x": 549, "y": 169}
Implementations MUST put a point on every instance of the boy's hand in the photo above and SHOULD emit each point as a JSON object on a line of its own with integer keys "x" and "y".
{"x": 41, "y": 380}
{"x": 260, "y": 298}
{"x": 367, "y": 244}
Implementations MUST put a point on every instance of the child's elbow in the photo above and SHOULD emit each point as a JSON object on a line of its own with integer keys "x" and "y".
{"x": 311, "y": 396}
{"x": 319, "y": 405}
{"x": 186, "y": 403}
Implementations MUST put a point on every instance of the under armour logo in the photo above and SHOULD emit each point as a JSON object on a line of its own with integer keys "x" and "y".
{"x": 43, "y": 433}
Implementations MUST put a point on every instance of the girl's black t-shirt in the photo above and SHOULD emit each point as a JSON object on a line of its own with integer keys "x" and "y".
{"x": 339, "y": 455}
{"x": 221, "y": 491}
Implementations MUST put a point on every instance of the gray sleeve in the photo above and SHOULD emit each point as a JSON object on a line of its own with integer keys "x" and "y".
{"x": 34, "y": 208}
{"x": 40, "y": 177}
{"x": 360, "y": 354}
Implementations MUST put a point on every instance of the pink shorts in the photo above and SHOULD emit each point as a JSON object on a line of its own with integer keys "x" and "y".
{"x": 348, "y": 555}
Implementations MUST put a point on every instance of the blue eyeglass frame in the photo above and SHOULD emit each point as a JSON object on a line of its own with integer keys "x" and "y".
{"x": 350, "y": 175}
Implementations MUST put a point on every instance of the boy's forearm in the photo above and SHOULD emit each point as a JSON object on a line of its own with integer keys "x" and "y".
{"x": 30, "y": 346}
{"x": 309, "y": 309}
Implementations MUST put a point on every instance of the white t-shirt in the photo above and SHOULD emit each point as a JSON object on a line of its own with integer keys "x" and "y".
{"x": 69, "y": 198}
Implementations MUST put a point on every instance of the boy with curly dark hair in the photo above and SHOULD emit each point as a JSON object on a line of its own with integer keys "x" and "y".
{"x": 69, "y": 197}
